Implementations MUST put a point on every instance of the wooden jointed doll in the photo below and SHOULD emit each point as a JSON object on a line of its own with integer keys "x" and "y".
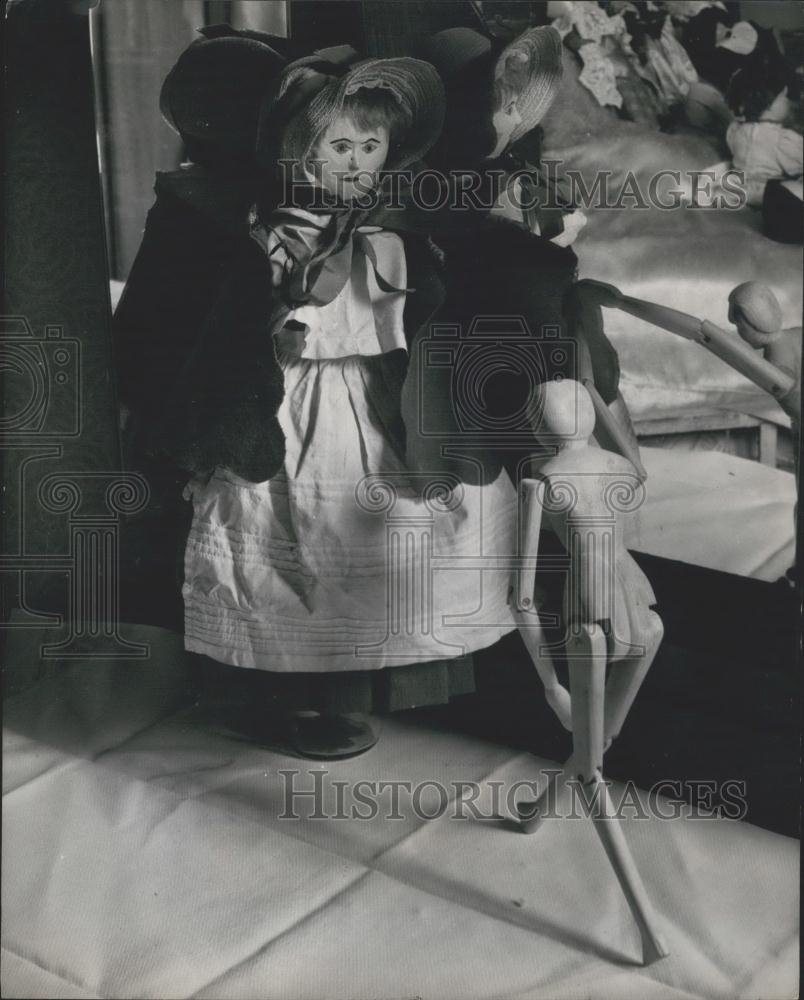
{"x": 579, "y": 490}
{"x": 756, "y": 313}
{"x": 585, "y": 495}
{"x": 770, "y": 357}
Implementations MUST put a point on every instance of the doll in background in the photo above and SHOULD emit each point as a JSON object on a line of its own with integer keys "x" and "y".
{"x": 495, "y": 98}
{"x": 766, "y": 143}
{"x": 765, "y": 138}
{"x": 287, "y": 574}
{"x": 755, "y": 104}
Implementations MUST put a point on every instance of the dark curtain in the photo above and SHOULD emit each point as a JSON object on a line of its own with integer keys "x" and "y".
{"x": 59, "y": 430}
{"x": 135, "y": 43}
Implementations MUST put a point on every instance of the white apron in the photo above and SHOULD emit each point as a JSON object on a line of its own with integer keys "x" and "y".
{"x": 340, "y": 562}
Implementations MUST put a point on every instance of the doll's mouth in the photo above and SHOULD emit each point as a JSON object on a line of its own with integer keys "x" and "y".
{"x": 366, "y": 176}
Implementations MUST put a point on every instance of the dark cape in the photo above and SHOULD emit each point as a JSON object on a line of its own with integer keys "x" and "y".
{"x": 511, "y": 321}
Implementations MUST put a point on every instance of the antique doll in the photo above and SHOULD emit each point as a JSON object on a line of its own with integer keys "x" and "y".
{"x": 340, "y": 574}
{"x": 765, "y": 137}
{"x": 496, "y": 98}
{"x": 196, "y": 230}
{"x": 498, "y": 261}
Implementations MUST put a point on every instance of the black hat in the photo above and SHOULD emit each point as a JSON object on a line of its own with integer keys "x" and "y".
{"x": 213, "y": 94}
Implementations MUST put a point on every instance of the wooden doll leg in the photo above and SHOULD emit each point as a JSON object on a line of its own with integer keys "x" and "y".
{"x": 621, "y": 689}
{"x": 587, "y": 669}
{"x": 587, "y": 683}
{"x": 525, "y": 614}
{"x": 626, "y": 677}
{"x": 557, "y": 696}
{"x": 623, "y": 685}
{"x": 586, "y": 702}
{"x": 531, "y": 494}
{"x": 531, "y": 812}
{"x": 608, "y": 829}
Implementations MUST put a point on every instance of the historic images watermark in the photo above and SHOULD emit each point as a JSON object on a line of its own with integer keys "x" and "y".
{"x": 316, "y": 795}
{"x": 433, "y": 190}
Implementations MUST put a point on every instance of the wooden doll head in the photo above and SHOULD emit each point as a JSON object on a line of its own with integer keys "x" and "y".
{"x": 755, "y": 312}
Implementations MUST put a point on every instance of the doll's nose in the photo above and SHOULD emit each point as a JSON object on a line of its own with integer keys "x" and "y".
{"x": 354, "y": 160}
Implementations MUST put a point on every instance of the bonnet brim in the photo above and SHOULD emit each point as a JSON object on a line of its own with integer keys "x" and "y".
{"x": 542, "y": 48}
{"x": 316, "y": 93}
{"x": 466, "y": 59}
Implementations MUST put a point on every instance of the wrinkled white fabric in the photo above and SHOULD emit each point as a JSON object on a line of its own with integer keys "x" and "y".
{"x": 764, "y": 150}
{"x": 149, "y": 855}
{"x": 309, "y": 570}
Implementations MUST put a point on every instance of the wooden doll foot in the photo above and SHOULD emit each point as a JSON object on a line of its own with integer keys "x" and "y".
{"x": 612, "y": 838}
{"x": 531, "y": 812}
{"x": 654, "y": 947}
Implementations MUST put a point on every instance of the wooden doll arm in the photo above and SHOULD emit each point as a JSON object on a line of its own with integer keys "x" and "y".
{"x": 720, "y": 343}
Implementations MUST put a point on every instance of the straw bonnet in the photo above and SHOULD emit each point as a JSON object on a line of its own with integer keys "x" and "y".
{"x": 469, "y": 63}
{"x": 535, "y": 56}
{"x": 213, "y": 94}
{"x": 312, "y": 91}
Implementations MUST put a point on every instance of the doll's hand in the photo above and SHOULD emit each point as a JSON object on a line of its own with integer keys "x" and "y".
{"x": 573, "y": 224}
{"x": 195, "y": 485}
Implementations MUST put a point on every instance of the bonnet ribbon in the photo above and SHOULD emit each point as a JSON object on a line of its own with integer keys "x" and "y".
{"x": 319, "y": 254}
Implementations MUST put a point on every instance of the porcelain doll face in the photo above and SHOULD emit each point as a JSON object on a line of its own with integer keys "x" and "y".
{"x": 350, "y": 157}
{"x": 505, "y": 119}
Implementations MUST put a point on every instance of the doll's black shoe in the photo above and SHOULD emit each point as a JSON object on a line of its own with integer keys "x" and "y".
{"x": 331, "y": 737}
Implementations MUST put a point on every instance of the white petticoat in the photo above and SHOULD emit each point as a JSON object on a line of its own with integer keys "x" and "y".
{"x": 323, "y": 569}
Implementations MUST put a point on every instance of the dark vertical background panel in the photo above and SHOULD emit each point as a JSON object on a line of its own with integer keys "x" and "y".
{"x": 391, "y": 29}
{"x": 59, "y": 405}
{"x": 317, "y": 24}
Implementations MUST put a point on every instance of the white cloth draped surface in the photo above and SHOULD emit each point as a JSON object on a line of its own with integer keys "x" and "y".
{"x": 146, "y": 855}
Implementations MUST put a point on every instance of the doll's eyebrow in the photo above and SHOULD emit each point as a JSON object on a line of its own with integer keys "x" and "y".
{"x": 353, "y": 142}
